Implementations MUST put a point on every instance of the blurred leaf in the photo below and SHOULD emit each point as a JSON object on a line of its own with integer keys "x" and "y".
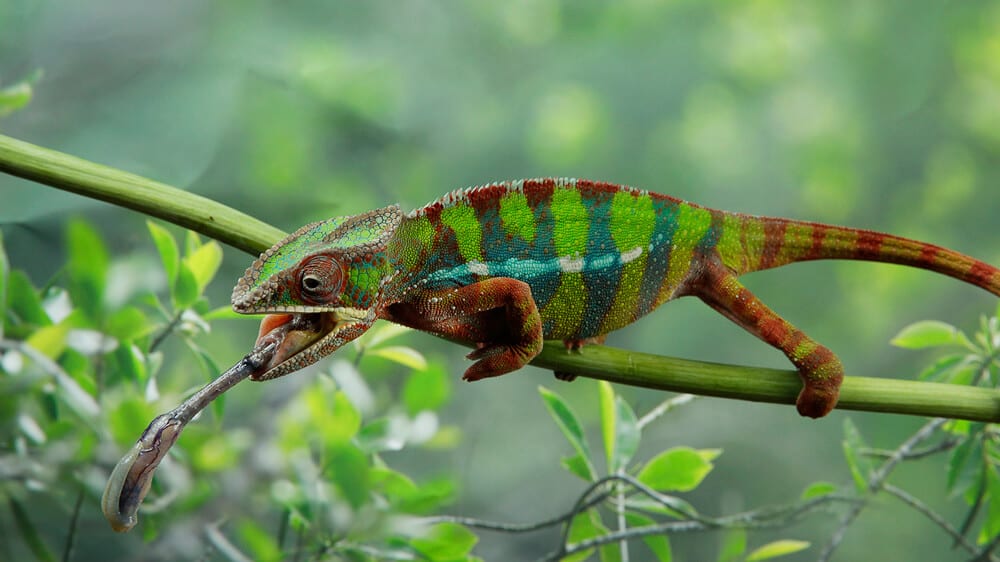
{"x": 606, "y": 400}
{"x": 130, "y": 363}
{"x": 678, "y": 469}
{"x": 941, "y": 368}
{"x": 405, "y": 356}
{"x": 204, "y": 263}
{"x": 347, "y": 467}
{"x": 578, "y": 466}
{"x": 445, "y": 542}
{"x": 734, "y": 544}
{"x": 583, "y": 527}
{"x": 337, "y": 423}
{"x": 127, "y": 323}
{"x": 776, "y": 549}
{"x": 129, "y": 418}
{"x": 393, "y": 484}
{"x": 259, "y": 541}
{"x": 926, "y": 333}
{"x": 4, "y": 274}
{"x": 167, "y": 247}
{"x": 658, "y": 544}
{"x": 380, "y": 334}
{"x": 965, "y": 463}
{"x": 23, "y": 300}
{"x": 426, "y": 389}
{"x": 990, "y": 529}
{"x": 817, "y": 489}
{"x": 671, "y": 506}
{"x": 627, "y": 434}
{"x": 428, "y": 497}
{"x": 50, "y": 340}
{"x": 18, "y": 95}
{"x": 29, "y": 533}
{"x": 859, "y": 464}
{"x": 185, "y": 291}
{"x": 569, "y": 424}
{"x": 191, "y": 242}
{"x": 87, "y": 267}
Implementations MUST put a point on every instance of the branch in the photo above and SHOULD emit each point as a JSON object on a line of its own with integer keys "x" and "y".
{"x": 241, "y": 231}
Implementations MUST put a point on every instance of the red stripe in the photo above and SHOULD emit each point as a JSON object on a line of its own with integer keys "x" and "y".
{"x": 774, "y": 239}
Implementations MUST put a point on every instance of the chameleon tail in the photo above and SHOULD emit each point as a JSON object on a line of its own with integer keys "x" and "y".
{"x": 764, "y": 242}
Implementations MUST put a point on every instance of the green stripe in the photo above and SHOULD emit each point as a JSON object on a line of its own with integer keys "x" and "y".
{"x": 516, "y": 217}
{"x": 571, "y": 223}
{"x": 632, "y": 221}
{"x": 462, "y": 220}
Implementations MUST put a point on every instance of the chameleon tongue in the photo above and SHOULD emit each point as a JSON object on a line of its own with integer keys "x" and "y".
{"x": 272, "y": 321}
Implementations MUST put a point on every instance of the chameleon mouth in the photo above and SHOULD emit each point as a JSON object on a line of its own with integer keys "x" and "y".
{"x": 303, "y": 338}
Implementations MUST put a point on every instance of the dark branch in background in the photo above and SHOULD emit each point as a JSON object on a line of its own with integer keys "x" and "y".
{"x": 246, "y": 233}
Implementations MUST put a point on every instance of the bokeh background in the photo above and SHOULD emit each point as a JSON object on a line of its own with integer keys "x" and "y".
{"x": 882, "y": 115}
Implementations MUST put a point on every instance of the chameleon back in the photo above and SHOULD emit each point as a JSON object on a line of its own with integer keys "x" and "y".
{"x": 597, "y": 256}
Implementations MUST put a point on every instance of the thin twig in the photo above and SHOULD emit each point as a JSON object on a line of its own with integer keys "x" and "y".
{"x": 664, "y": 407}
{"x": 73, "y": 523}
{"x": 876, "y": 481}
{"x": 946, "y": 445}
{"x": 987, "y": 552}
{"x": 515, "y": 527}
{"x": 923, "y": 508}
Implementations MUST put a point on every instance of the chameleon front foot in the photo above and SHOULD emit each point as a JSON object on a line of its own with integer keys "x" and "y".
{"x": 493, "y": 360}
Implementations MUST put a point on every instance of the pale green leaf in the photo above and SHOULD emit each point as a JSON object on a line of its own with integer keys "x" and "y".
{"x": 167, "y": 247}
{"x": 426, "y": 389}
{"x": 734, "y": 544}
{"x": 817, "y": 489}
{"x": 627, "y": 434}
{"x": 578, "y": 466}
{"x": 859, "y": 465}
{"x": 403, "y": 355}
{"x": 87, "y": 266}
{"x": 679, "y": 469}
{"x": 259, "y": 541}
{"x": 777, "y": 548}
{"x": 445, "y": 542}
{"x": 568, "y": 423}
{"x": 381, "y": 333}
{"x": 659, "y": 545}
{"x": 4, "y": 273}
{"x": 185, "y": 291}
{"x": 926, "y": 333}
{"x": 15, "y": 97}
{"x": 204, "y": 263}
{"x": 606, "y": 401}
{"x": 347, "y": 467}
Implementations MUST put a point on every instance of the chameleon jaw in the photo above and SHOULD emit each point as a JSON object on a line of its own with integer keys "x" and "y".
{"x": 306, "y": 337}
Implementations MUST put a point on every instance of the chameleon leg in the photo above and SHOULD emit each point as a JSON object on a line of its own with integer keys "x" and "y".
{"x": 819, "y": 368}
{"x": 498, "y": 313}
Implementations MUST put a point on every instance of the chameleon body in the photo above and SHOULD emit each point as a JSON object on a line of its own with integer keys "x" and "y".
{"x": 509, "y": 264}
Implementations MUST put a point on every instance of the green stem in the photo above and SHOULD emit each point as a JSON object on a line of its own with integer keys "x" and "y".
{"x": 241, "y": 231}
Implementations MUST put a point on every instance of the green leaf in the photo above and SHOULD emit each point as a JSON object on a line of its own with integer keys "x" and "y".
{"x": 338, "y": 423}
{"x": 87, "y": 266}
{"x": 18, "y": 95}
{"x": 659, "y": 545}
{"x": 627, "y": 434}
{"x": 426, "y": 389}
{"x": 940, "y": 368}
{"x": 859, "y": 465}
{"x": 776, "y": 549}
{"x": 24, "y": 301}
{"x": 127, "y": 323}
{"x": 347, "y": 467}
{"x": 817, "y": 489}
{"x": 405, "y": 356}
{"x": 204, "y": 263}
{"x": 606, "y": 400}
{"x": 380, "y": 334}
{"x": 259, "y": 541}
{"x": 583, "y": 527}
{"x": 734, "y": 544}
{"x": 4, "y": 274}
{"x": 926, "y": 333}
{"x": 965, "y": 463}
{"x": 185, "y": 291}
{"x": 167, "y": 247}
{"x": 568, "y": 423}
{"x": 50, "y": 340}
{"x": 29, "y": 533}
{"x": 578, "y": 466}
{"x": 679, "y": 469}
{"x": 445, "y": 542}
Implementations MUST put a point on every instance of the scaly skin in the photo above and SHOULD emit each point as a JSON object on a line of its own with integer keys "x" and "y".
{"x": 507, "y": 264}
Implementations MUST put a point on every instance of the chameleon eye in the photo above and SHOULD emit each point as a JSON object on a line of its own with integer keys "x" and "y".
{"x": 320, "y": 280}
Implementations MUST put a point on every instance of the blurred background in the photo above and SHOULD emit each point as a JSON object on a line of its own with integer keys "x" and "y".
{"x": 876, "y": 115}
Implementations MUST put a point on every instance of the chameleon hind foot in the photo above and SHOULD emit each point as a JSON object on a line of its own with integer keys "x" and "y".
{"x": 820, "y": 370}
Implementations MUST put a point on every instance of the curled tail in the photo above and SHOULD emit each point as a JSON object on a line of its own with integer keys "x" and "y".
{"x": 758, "y": 243}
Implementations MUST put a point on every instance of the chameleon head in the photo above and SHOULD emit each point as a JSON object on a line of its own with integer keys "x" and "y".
{"x": 326, "y": 279}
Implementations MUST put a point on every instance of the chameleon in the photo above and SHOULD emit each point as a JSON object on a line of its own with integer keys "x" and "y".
{"x": 506, "y": 265}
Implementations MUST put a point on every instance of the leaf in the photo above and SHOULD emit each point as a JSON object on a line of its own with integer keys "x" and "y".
{"x": 204, "y": 263}
{"x": 87, "y": 266}
{"x": 578, "y": 466}
{"x": 627, "y": 434}
{"x": 381, "y": 333}
{"x": 185, "y": 291}
{"x": 658, "y": 544}
{"x": 426, "y": 389}
{"x": 18, "y": 95}
{"x": 679, "y": 469}
{"x": 568, "y": 423}
{"x": 734, "y": 544}
{"x": 583, "y": 527}
{"x": 818, "y": 489}
{"x": 127, "y": 323}
{"x": 347, "y": 467}
{"x": 24, "y": 302}
{"x": 776, "y": 549}
{"x": 445, "y": 542}
{"x": 606, "y": 400}
{"x": 405, "y": 356}
{"x": 926, "y": 333}
{"x": 259, "y": 541}
{"x": 859, "y": 465}
{"x": 29, "y": 533}
{"x": 50, "y": 340}
{"x": 339, "y": 422}
{"x": 4, "y": 274}
{"x": 965, "y": 463}
{"x": 167, "y": 247}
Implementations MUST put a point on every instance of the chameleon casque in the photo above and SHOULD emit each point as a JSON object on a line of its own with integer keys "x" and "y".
{"x": 509, "y": 264}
